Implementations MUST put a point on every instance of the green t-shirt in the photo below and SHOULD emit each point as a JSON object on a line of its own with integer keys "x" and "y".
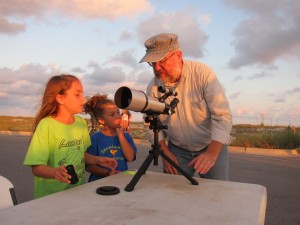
{"x": 56, "y": 144}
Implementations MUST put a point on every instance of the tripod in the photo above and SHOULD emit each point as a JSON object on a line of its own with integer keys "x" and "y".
{"x": 155, "y": 125}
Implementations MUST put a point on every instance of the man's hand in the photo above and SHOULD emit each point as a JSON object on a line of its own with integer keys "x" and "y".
{"x": 167, "y": 166}
{"x": 204, "y": 162}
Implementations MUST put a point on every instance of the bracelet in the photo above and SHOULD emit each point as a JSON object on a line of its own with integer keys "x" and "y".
{"x": 107, "y": 174}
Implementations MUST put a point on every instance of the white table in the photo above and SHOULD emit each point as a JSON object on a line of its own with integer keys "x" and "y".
{"x": 157, "y": 199}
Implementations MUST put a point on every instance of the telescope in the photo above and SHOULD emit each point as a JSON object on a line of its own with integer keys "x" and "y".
{"x": 139, "y": 101}
{"x": 126, "y": 98}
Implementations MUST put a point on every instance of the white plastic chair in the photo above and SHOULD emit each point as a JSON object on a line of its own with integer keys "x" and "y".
{"x": 7, "y": 193}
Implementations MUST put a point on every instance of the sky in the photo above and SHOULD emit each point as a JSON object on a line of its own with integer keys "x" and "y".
{"x": 253, "y": 46}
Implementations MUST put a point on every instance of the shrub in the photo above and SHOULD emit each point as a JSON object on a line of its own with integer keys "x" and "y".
{"x": 268, "y": 138}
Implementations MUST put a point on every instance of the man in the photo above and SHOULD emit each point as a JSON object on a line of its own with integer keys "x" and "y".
{"x": 199, "y": 130}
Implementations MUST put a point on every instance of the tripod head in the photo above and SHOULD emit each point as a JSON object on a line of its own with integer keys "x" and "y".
{"x": 155, "y": 123}
{"x": 152, "y": 116}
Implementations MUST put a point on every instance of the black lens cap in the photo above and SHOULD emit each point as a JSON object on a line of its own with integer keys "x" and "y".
{"x": 107, "y": 190}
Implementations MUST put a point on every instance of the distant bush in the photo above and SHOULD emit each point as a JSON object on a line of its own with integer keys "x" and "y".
{"x": 138, "y": 133}
{"x": 285, "y": 138}
{"x": 243, "y": 135}
{"x": 13, "y": 123}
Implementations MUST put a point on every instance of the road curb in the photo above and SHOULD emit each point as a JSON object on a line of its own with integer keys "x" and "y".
{"x": 20, "y": 133}
{"x": 264, "y": 151}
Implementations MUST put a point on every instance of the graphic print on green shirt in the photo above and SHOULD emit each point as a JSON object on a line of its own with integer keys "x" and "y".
{"x": 56, "y": 144}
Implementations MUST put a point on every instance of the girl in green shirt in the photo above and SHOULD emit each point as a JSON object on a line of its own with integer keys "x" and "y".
{"x": 60, "y": 138}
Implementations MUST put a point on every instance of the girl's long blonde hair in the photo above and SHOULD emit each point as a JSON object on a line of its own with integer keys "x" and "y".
{"x": 49, "y": 106}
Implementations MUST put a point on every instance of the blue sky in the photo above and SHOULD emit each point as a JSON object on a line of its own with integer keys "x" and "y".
{"x": 253, "y": 47}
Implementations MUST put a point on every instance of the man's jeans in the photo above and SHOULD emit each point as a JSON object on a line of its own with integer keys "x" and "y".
{"x": 219, "y": 171}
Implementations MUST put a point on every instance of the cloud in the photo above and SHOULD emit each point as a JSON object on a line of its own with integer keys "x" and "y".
{"x": 294, "y": 90}
{"x": 289, "y": 116}
{"x": 280, "y": 99}
{"x": 237, "y": 78}
{"x": 205, "y": 19}
{"x": 22, "y": 88}
{"x": 191, "y": 37}
{"x": 242, "y": 115}
{"x": 25, "y": 80}
{"x": 22, "y": 9}
{"x": 101, "y": 76}
{"x": 6, "y": 77}
{"x": 110, "y": 9}
{"x": 77, "y": 70}
{"x": 274, "y": 115}
{"x": 10, "y": 28}
{"x": 126, "y": 36}
{"x": 72, "y": 9}
{"x": 125, "y": 58}
{"x": 260, "y": 75}
{"x": 145, "y": 77}
{"x": 270, "y": 32}
{"x": 235, "y": 95}
{"x": 242, "y": 110}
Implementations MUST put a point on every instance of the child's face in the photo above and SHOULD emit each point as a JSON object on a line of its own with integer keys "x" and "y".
{"x": 111, "y": 116}
{"x": 73, "y": 99}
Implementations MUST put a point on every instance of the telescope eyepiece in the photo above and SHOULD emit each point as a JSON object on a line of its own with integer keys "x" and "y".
{"x": 167, "y": 91}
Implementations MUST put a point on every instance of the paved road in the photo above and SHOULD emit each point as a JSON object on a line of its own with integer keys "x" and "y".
{"x": 279, "y": 174}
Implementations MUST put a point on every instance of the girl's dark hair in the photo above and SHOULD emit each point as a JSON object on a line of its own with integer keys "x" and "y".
{"x": 56, "y": 85}
{"x": 94, "y": 106}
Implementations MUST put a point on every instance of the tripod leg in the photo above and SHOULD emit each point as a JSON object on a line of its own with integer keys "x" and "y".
{"x": 179, "y": 169}
{"x": 140, "y": 172}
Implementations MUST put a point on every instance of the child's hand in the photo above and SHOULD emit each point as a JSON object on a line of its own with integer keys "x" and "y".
{"x": 107, "y": 162}
{"x": 115, "y": 172}
{"x": 61, "y": 174}
{"x": 122, "y": 125}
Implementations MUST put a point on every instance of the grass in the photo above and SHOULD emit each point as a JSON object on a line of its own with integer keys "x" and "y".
{"x": 12, "y": 123}
{"x": 272, "y": 137}
{"x": 243, "y": 135}
{"x": 19, "y": 123}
